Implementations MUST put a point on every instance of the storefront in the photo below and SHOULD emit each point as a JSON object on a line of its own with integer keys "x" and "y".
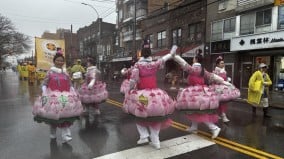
{"x": 222, "y": 48}
{"x": 265, "y": 48}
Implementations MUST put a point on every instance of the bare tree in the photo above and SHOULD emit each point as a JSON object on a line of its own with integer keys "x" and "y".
{"x": 10, "y": 39}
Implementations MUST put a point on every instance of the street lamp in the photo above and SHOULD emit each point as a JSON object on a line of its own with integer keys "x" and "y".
{"x": 86, "y": 4}
{"x": 99, "y": 21}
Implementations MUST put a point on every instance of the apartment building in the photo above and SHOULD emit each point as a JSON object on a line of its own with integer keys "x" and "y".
{"x": 97, "y": 40}
{"x": 257, "y": 38}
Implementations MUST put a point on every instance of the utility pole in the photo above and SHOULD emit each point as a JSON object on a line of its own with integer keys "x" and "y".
{"x": 134, "y": 31}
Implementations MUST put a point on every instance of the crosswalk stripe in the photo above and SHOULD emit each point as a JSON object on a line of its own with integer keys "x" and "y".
{"x": 169, "y": 148}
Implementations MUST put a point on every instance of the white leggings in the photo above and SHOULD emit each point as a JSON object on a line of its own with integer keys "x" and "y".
{"x": 144, "y": 133}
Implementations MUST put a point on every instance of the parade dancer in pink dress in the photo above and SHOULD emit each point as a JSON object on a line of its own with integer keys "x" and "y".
{"x": 59, "y": 106}
{"x": 93, "y": 91}
{"x": 225, "y": 93}
{"x": 146, "y": 101}
{"x": 197, "y": 100}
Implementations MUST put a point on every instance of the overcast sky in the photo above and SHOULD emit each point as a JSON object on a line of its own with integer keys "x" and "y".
{"x": 33, "y": 17}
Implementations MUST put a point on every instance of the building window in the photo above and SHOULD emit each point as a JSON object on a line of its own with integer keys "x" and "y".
{"x": 281, "y": 17}
{"x": 217, "y": 31}
{"x": 194, "y": 32}
{"x": 229, "y": 28}
{"x": 151, "y": 38}
{"x": 247, "y": 24}
{"x": 263, "y": 18}
{"x": 176, "y": 36}
{"x": 161, "y": 39}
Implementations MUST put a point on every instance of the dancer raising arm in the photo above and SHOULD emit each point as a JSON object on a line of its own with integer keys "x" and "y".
{"x": 197, "y": 100}
{"x": 146, "y": 101}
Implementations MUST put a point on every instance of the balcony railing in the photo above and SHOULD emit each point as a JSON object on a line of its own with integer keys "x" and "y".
{"x": 244, "y": 5}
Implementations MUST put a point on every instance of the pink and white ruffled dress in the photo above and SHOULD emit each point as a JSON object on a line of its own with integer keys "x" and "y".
{"x": 198, "y": 100}
{"x": 147, "y": 100}
{"x": 59, "y": 104}
{"x": 226, "y": 93}
{"x": 98, "y": 93}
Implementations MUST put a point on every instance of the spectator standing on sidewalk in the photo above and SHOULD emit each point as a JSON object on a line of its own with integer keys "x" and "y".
{"x": 258, "y": 90}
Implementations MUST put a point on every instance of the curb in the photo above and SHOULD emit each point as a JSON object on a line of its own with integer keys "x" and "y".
{"x": 274, "y": 105}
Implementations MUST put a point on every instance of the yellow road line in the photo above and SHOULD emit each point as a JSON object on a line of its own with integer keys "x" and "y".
{"x": 235, "y": 143}
{"x": 221, "y": 141}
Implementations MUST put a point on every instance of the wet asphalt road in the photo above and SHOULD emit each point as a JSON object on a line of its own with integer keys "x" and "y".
{"x": 113, "y": 130}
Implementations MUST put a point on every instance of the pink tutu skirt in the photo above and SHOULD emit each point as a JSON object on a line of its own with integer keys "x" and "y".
{"x": 158, "y": 125}
{"x": 124, "y": 88}
{"x": 197, "y": 98}
{"x": 225, "y": 93}
{"x": 201, "y": 118}
{"x": 56, "y": 105}
{"x": 97, "y": 94}
{"x": 148, "y": 103}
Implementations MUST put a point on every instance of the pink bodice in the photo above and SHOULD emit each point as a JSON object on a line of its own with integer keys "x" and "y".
{"x": 195, "y": 78}
{"x": 221, "y": 73}
{"x": 58, "y": 81}
{"x": 147, "y": 75}
{"x": 145, "y": 72}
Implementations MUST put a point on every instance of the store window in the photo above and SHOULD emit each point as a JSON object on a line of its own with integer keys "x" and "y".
{"x": 278, "y": 82}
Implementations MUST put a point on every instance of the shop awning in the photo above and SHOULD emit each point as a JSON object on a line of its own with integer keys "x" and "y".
{"x": 121, "y": 59}
{"x": 189, "y": 51}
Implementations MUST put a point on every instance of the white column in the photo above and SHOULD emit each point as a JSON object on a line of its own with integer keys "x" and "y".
{"x": 274, "y": 18}
{"x": 238, "y": 25}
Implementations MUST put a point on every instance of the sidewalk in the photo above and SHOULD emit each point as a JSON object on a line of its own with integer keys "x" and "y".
{"x": 276, "y": 98}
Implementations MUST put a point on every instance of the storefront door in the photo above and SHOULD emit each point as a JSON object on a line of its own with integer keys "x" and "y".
{"x": 246, "y": 72}
{"x": 230, "y": 71}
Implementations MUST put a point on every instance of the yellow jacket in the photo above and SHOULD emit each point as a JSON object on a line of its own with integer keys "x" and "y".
{"x": 256, "y": 84}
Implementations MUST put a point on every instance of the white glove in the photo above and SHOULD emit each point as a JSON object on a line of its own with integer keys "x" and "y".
{"x": 228, "y": 84}
{"x": 229, "y": 79}
{"x": 171, "y": 54}
{"x": 43, "y": 89}
{"x": 72, "y": 89}
{"x": 173, "y": 50}
{"x": 132, "y": 84}
{"x": 180, "y": 61}
{"x": 91, "y": 84}
{"x": 123, "y": 71}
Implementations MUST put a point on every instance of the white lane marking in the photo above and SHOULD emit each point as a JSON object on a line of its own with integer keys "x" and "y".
{"x": 169, "y": 148}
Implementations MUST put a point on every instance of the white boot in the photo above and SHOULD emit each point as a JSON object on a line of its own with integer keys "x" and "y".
{"x": 155, "y": 141}
{"x": 215, "y": 130}
{"x": 224, "y": 118}
{"x": 144, "y": 134}
{"x": 192, "y": 128}
{"x": 52, "y": 130}
{"x": 97, "y": 111}
{"x": 65, "y": 134}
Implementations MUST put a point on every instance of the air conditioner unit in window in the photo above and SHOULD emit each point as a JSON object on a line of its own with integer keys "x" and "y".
{"x": 222, "y": 6}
